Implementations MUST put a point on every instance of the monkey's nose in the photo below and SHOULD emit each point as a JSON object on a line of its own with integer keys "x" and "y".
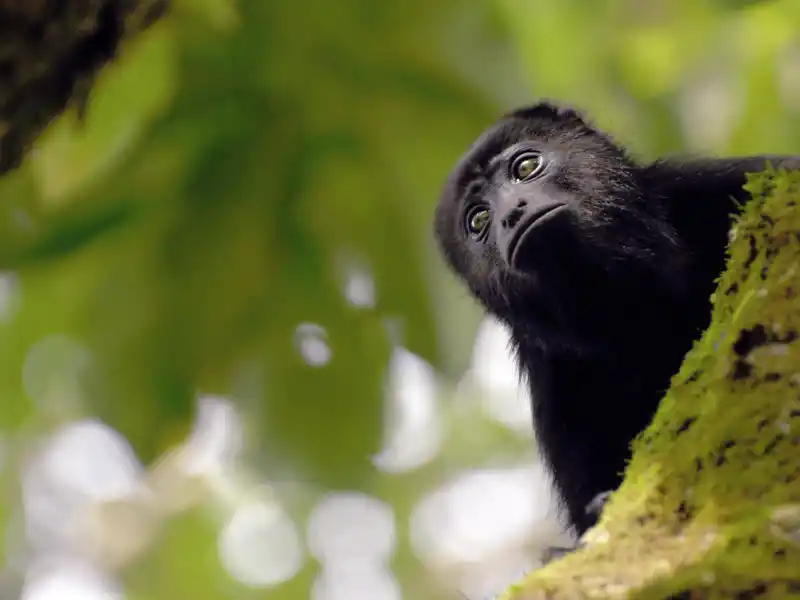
{"x": 512, "y": 217}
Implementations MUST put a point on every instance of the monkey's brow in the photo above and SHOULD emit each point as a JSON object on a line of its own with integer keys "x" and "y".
{"x": 468, "y": 176}
{"x": 480, "y": 170}
{"x": 495, "y": 163}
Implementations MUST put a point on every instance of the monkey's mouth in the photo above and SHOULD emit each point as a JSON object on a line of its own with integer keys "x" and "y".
{"x": 527, "y": 228}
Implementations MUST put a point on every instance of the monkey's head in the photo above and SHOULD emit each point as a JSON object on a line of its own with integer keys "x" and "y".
{"x": 544, "y": 216}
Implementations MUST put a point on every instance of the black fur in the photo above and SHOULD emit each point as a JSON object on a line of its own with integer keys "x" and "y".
{"x": 606, "y": 295}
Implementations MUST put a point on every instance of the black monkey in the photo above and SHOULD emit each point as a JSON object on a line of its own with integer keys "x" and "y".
{"x": 601, "y": 266}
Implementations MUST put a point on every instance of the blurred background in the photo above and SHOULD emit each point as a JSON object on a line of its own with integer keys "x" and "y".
{"x": 232, "y": 363}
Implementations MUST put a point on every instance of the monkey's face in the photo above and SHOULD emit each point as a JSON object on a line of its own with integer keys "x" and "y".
{"x": 544, "y": 210}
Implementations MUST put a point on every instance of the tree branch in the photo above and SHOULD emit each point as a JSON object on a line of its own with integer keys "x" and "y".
{"x": 50, "y": 52}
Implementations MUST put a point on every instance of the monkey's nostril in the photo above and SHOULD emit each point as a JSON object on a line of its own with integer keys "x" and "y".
{"x": 513, "y": 217}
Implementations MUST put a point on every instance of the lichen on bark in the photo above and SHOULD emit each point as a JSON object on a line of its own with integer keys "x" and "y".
{"x": 710, "y": 504}
{"x": 50, "y": 52}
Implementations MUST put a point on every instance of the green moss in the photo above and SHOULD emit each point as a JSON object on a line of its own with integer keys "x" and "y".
{"x": 710, "y": 505}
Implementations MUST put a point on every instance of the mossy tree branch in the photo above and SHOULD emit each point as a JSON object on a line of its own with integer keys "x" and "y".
{"x": 50, "y": 52}
{"x": 710, "y": 505}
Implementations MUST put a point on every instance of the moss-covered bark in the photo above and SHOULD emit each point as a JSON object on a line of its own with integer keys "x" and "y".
{"x": 50, "y": 51}
{"x": 710, "y": 505}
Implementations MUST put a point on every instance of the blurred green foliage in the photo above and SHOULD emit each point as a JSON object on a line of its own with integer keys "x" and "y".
{"x": 243, "y": 156}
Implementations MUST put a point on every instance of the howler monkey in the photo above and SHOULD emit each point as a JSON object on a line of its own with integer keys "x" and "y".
{"x": 602, "y": 268}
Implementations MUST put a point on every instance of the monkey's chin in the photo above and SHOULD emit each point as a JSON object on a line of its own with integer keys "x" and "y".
{"x": 537, "y": 236}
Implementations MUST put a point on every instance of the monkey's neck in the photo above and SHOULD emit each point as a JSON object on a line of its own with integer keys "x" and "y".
{"x": 615, "y": 317}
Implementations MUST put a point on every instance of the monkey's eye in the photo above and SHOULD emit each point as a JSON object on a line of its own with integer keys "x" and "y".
{"x": 525, "y": 166}
{"x": 477, "y": 220}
